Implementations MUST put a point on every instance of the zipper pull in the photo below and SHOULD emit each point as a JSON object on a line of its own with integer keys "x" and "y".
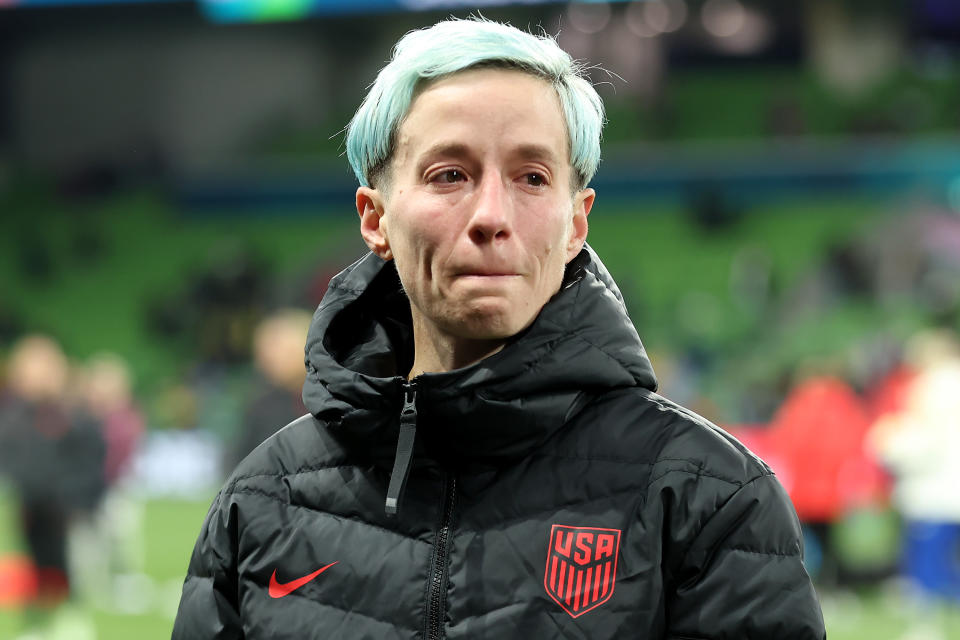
{"x": 401, "y": 462}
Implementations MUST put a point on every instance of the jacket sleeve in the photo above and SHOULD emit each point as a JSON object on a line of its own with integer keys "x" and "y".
{"x": 208, "y": 606}
{"x": 742, "y": 576}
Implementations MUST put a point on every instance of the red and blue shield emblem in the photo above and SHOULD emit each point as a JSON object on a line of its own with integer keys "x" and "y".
{"x": 581, "y": 567}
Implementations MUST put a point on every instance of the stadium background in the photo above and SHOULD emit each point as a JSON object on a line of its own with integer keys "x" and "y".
{"x": 779, "y": 200}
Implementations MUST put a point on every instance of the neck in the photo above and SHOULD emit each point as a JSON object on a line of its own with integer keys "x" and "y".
{"x": 437, "y": 352}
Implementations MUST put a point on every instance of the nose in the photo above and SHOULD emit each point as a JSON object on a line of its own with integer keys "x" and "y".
{"x": 491, "y": 215}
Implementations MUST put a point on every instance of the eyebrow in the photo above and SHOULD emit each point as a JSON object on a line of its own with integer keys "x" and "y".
{"x": 456, "y": 149}
{"x": 537, "y": 152}
{"x": 441, "y": 149}
{"x": 460, "y": 150}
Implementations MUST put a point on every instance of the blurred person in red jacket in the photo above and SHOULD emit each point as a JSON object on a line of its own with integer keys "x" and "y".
{"x": 816, "y": 444}
{"x": 820, "y": 429}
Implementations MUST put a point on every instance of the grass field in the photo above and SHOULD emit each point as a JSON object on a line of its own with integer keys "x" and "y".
{"x": 171, "y": 526}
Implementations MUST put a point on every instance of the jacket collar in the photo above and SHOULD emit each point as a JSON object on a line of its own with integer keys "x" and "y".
{"x": 360, "y": 343}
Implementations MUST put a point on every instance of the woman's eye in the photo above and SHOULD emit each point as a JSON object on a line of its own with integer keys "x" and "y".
{"x": 535, "y": 180}
{"x": 449, "y": 176}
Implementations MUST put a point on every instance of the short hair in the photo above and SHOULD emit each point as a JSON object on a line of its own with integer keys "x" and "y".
{"x": 455, "y": 45}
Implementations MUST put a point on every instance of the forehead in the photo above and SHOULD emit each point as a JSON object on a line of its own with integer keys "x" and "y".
{"x": 489, "y": 109}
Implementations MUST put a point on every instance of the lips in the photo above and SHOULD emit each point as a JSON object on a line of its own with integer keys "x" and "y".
{"x": 485, "y": 271}
{"x": 484, "y": 274}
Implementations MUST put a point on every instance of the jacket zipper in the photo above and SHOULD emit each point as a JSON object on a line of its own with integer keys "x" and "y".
{"x": 438, "y": 581}
{"x": 401, "y": 462}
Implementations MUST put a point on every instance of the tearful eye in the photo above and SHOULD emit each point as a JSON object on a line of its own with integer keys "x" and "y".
{"x": 449, "y": 176}
{"x": 535, "y": 180}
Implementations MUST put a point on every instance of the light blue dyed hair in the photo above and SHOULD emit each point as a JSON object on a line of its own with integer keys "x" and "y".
{"x": 457, "y": 45}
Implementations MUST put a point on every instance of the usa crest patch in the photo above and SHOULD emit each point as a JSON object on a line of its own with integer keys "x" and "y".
{"x": 581, "y": 567}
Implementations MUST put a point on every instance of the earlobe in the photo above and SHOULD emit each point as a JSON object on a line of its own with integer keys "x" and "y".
{"x": 370, "y": 209}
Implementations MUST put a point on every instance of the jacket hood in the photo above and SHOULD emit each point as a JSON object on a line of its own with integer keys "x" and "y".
{"x": 360, "y": 348}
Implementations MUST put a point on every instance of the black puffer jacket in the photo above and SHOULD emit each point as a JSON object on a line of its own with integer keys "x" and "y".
{"x": 551, "y": 494}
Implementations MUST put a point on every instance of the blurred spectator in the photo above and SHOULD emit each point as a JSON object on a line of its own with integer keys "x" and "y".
{"x": 53, "y": 456}
{"x": 820, "y": 429}
{"x": 815, "y": 444}
{"x": 106, "y": 390}
{"x": 278, "y": 356}
{"x": 920, "y": 444}
{"x": 109, "y": 543}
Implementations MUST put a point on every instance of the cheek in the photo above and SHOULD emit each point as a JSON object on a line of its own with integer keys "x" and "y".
{"x": 552, "y": 238}
{"x": 414, "y": 245}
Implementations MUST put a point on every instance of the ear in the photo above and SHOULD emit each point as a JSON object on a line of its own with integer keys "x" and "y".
{"x": 370, "y": 208}
{"x": 582, "y": 203}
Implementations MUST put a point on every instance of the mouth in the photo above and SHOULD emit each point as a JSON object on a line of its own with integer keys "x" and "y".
{"x": 484, "y": 271}
{"x": 487, "y": 275}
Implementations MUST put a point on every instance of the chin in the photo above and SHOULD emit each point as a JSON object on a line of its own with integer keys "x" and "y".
{"x": 492, "y": 326}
